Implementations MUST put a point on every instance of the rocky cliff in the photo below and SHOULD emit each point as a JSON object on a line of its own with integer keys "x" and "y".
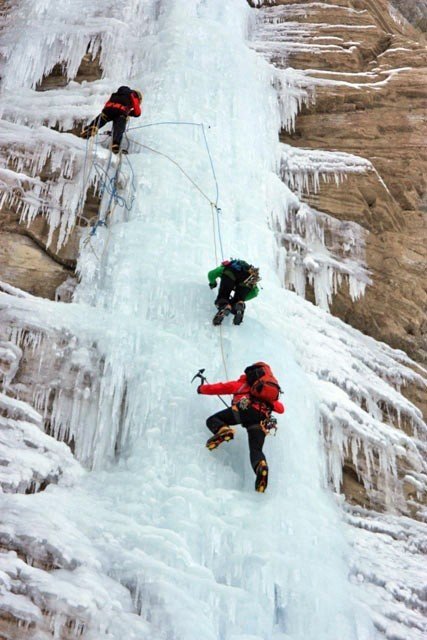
{"x": 367, "y": 70}
{"x": 415, "y": 11}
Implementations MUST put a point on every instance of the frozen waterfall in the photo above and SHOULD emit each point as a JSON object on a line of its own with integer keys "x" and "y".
{"x": 160, "y": 538}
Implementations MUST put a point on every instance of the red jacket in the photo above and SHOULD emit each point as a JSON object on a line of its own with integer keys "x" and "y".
{"x": 239, "y": 389}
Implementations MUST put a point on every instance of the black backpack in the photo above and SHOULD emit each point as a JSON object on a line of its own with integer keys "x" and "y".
{"x": 240, "y": 268}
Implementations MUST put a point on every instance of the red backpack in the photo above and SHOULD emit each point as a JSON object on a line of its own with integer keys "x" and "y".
{"x": 264, "y": 386}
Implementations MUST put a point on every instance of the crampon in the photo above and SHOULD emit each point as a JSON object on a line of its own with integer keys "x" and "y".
{"x": 220, "y": 315}
{"x": 224, "y": 435}
{"x": 261, "y": 477}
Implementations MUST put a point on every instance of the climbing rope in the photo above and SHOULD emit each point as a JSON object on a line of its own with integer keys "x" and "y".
{"x": 107, "y": 185}
{"x": 214, "y": 236}
{"x": 211, "y": 163}
{"x": 215, "y": 210}
{"x": 110, "y": 186}
{"x": 87, "y": 166}
{"x": 206, "y": 143}
{"x": 165, "y": 155}
{"x": 192, "y": 124}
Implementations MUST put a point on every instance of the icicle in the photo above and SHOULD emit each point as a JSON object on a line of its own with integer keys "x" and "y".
{"x": 302, "y": 169}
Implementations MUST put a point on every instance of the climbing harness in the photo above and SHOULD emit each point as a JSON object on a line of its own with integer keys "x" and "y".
{"x": 117, "y": 105}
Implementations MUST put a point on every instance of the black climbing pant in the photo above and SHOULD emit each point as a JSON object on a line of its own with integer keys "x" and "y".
{"x": 226, "y": 288}
{"x": 116, "y": 116}
{"x": 249, "y": 419}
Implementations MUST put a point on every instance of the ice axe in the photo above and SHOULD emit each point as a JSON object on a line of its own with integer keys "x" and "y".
{"x": 204, "y": 379}
{"x": 200, "y": 375}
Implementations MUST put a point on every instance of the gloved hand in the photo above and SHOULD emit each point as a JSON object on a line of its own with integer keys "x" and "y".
{"x": 199, "y": 387}
{"x": 212, "y": 285}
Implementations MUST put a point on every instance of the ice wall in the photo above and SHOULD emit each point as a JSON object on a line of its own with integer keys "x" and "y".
{"x": 189, "y": 549}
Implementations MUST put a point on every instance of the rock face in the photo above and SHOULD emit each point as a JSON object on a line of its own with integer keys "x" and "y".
{"x": 367, "y": 69}
{"x": 30, "y": 258}
{"x": 25, "y": 260}
{"x": 414, "y": 10}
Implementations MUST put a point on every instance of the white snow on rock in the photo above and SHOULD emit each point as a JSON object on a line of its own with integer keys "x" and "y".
{"x": 29, "y": 458}
{"x": 162, "y": 538}
{"x": 63, "y": 34}
{"x": 308, "y": 259}
{"x": 59, "y": 198}
{"x": 303, "y": 169}
{"x": 277, "y": 32}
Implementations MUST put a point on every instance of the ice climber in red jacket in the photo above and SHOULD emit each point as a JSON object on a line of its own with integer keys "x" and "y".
{"x": 123, "y": 103}
{"x": 255, "y": 397}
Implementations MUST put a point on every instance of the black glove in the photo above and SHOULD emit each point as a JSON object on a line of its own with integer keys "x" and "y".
{"x": 199, "y": 387}
{"x": 212, "y": 285}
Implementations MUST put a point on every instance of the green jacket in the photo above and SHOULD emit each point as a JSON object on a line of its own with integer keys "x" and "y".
{"x": 217, "y": 273}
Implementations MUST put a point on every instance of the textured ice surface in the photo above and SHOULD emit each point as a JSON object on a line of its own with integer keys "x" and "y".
{"x": 388, "y": 561}
{"x": 64, "y": 33}
{"x": 163, "y": 539}
{"x": 29, "y": 458}
{"x": 59, "y": 197}
{"x": 323, "y": 251}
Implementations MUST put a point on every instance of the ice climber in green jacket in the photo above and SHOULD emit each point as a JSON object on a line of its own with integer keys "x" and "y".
{"x": 238, "y": 284}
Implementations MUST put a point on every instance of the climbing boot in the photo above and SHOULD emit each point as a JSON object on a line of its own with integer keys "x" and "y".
{"x": 239, "y": 310}
{"x": 261, "y": 477}
{"x": 220, "y": 315}
{"x": 224, "y": 434}
{"x": 115, "y": 148}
